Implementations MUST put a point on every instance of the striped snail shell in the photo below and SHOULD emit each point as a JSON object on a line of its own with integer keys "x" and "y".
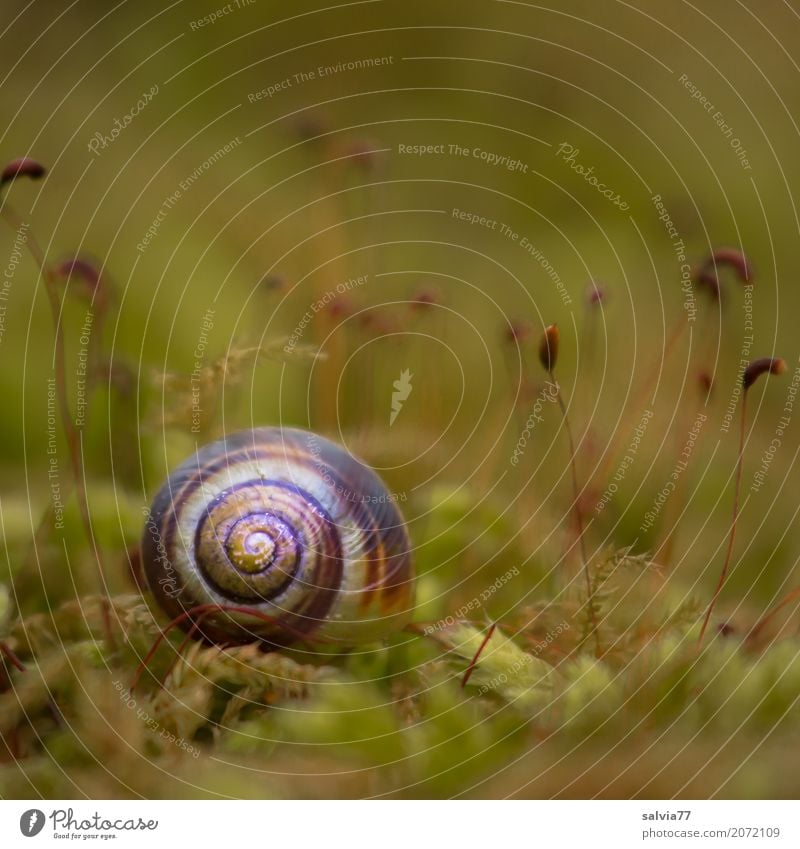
{"x": 285, "y": 524}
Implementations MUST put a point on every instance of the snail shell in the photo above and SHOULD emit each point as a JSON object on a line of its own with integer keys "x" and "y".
{"x": 288, "y": 525}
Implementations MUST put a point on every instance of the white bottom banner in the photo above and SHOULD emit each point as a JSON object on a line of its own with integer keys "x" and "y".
{"x": 403, "y": 825}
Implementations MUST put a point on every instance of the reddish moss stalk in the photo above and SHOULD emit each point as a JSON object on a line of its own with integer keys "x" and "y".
{"x": 73, "y": 437}
{"x": 765, "y": 365}
{"x": 474, "y": 662}
{"x": 197, "y": 614}
{"x": 578, "y": 515}
{"x": 755, "y": 631}
{"x": 548, "y": 356}
{"x": 6, "y": 650}
{"x": 734, "y": 521}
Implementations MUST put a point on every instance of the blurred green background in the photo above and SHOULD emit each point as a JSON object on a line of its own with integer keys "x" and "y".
{"x": 315, "y": 190}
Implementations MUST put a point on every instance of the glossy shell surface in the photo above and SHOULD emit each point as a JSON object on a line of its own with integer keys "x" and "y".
{"x": 289, "y": 525}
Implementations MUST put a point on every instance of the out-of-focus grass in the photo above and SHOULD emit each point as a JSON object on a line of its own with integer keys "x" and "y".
{"x": 651, "y": 718}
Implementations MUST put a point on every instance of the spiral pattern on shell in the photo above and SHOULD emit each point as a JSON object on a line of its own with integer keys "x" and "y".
{"x": 289, "y": 525}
